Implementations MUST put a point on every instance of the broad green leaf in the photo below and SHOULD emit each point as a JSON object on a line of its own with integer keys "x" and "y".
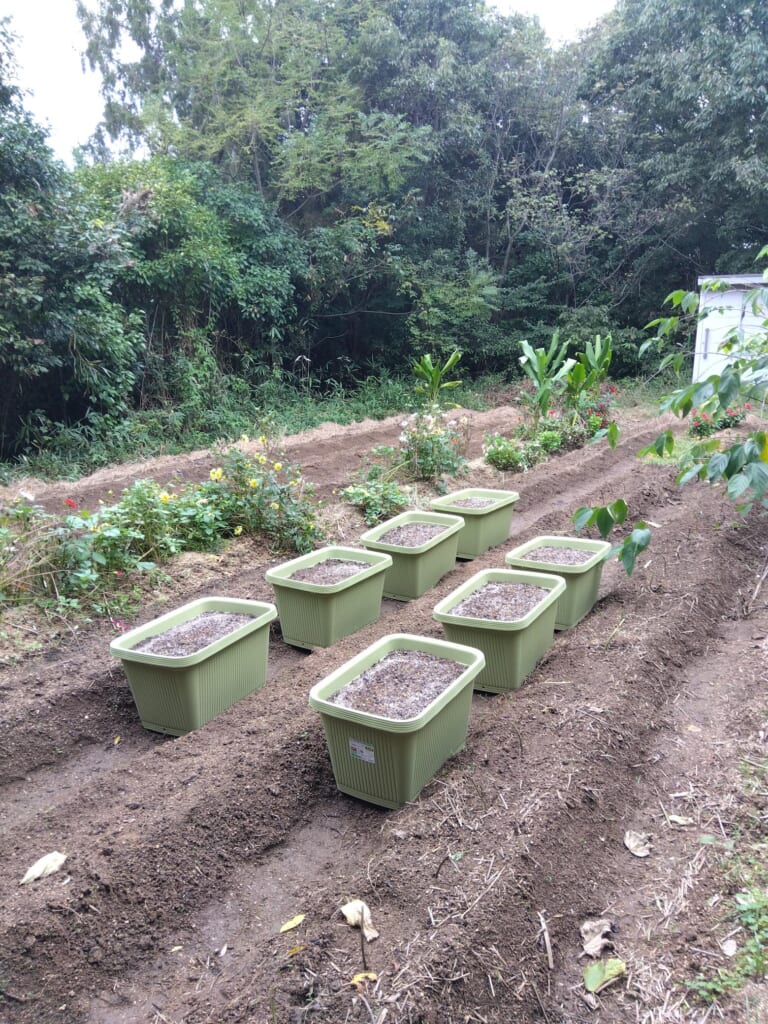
{"x": 694, "y": 473}
{"x": 757, "y": 474}
{"x": 633, "y": 545}
{"x": 737, "y": 485}
{"x": 582, "y": 518}
{"x": 716, "y": 466}
{"x": 604, "y": 521}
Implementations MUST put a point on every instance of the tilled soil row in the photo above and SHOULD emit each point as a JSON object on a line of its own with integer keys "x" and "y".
{"x": 213, "y": 807}
{"x": 63, "y": 703}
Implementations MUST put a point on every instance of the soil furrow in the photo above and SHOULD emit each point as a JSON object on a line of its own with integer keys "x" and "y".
{"x": 182, "y": 848}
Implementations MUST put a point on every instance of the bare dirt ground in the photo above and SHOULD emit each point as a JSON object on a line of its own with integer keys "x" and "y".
{"x": 185, "y": 856}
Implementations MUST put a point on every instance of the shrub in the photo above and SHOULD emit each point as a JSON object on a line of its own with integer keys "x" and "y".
{"x": 378, "y": 497}
{"x": 551, "y": 440}
{"x": 704, "y": 425}
{"x": 87, "y": 554}
{"x": 732, "y": 417}
{"x": 507, "y": 454}
{"x": 432, "y": 444}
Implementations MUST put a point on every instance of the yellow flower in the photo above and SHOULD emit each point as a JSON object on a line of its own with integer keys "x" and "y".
{"x": 262, "y": 440}
{"x": 238, "y": 530}
{"x": 293, "y": 483}
{"x": 174, "y": 496}
{"x": 262, "y": 459}
{"x": 216, "y": 474}
{"x": 277, "y": 466}
{"x": 253, "y": 482}
{"x": 244, "y": 439}
{"x": 165, "y": 497}
{"x": 274, "y": 505}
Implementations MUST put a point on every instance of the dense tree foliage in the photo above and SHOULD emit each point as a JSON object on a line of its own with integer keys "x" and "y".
{"x": 332, "y": 188}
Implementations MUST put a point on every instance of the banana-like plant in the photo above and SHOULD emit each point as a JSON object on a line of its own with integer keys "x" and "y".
{"x": 431, "y": 377}
{"x": 546, "y": 368}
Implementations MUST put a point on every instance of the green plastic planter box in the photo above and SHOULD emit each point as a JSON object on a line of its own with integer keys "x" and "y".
{"x": 513, "y": 648}
{"x": 582, "y": 582}
{"x": 388, "y": 761}
{"x": 483, "y": 527}
{"x": 319, "y": 614}
{"x": 415, "y": 570}
{"x": 178, "y": 694}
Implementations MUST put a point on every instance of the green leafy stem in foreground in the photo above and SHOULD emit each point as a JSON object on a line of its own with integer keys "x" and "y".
{"x": 605, "y": 518}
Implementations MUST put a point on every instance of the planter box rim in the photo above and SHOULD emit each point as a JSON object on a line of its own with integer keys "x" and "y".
{"x": 260, "y": 612}
{"x": 500, "y": 497}
{"x": 470, "y": 657}
{"x": 600, "y": 549}
{"x": 281, "y": 574}
{"x": 451, "y": 523}
{"x": 555, "y": 584}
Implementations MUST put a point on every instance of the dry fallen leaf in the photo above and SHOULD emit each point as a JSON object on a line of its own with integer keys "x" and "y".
{"x": 638, "y": 843}
{"x": 603, "y": 973}
{"x": 360, "y": 979}
{"x": 594, "y": 935}
{"x": 47, "y": 865}
{"x": 678, "y": 819}
{"x": 293, "y": 923}
{"x": 358, "y": 915}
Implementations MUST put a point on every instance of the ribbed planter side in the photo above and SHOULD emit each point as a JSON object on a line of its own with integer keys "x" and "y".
{"x": 582, "y": 582}
{"x": 175, "y": 695}
{"x": 483, "y": 527}
{"x": 317, "y": 615}
{"x": 512, "y": 649}
{"x": 388, "y": 761}
{"x": 415, "y": 570}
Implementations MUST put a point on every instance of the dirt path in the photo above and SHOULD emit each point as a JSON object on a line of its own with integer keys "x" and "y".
{"x": 185, "y": 856}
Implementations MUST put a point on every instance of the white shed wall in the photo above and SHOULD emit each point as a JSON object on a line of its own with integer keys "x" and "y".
{"x": 727, "y": 310}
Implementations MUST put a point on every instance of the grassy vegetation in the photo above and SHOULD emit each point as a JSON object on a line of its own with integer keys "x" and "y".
{"x": 93, "y": 560}
{"x": 745, "y": 877}
{"x": 281, "y": 405}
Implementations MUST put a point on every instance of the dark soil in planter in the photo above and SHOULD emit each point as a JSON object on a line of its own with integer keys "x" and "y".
{"x": 332, "y": 570}
{"x": 412, "y": 535}
{"x": 193, "y": 635}
{"x": 559, "y": 556}
{"x": 474, "y": 502}
{"x": 401, "y": 685}
{"x": 503, "y": 602}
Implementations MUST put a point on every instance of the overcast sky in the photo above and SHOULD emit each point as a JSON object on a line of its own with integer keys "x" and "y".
{"x": 66, "y": 99}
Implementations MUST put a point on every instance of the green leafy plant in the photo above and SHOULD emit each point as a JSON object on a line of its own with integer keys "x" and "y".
{"x": 704, "y": 425}
{"x": 432, "y": 377}
{"x": 546, "y": 368}
{"x": 551, "y": 440}
{"x": 432, "y": 444}
{"x": 378, "y": 497}
{"x": 750, "y": 912}
{"x": 87, "y": 559}
{"x": 511, "y": 454}
{"x": 605, "y": 518}
{"x": 589, "y": 372}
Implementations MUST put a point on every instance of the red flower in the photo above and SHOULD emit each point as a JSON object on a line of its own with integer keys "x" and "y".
{"x": 70, "y": 503}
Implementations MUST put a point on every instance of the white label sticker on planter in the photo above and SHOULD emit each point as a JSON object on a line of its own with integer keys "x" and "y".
{"x": 361, "y": 751}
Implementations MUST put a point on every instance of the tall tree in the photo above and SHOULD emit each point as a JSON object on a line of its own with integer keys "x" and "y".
{"x": 688, "y": 79}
